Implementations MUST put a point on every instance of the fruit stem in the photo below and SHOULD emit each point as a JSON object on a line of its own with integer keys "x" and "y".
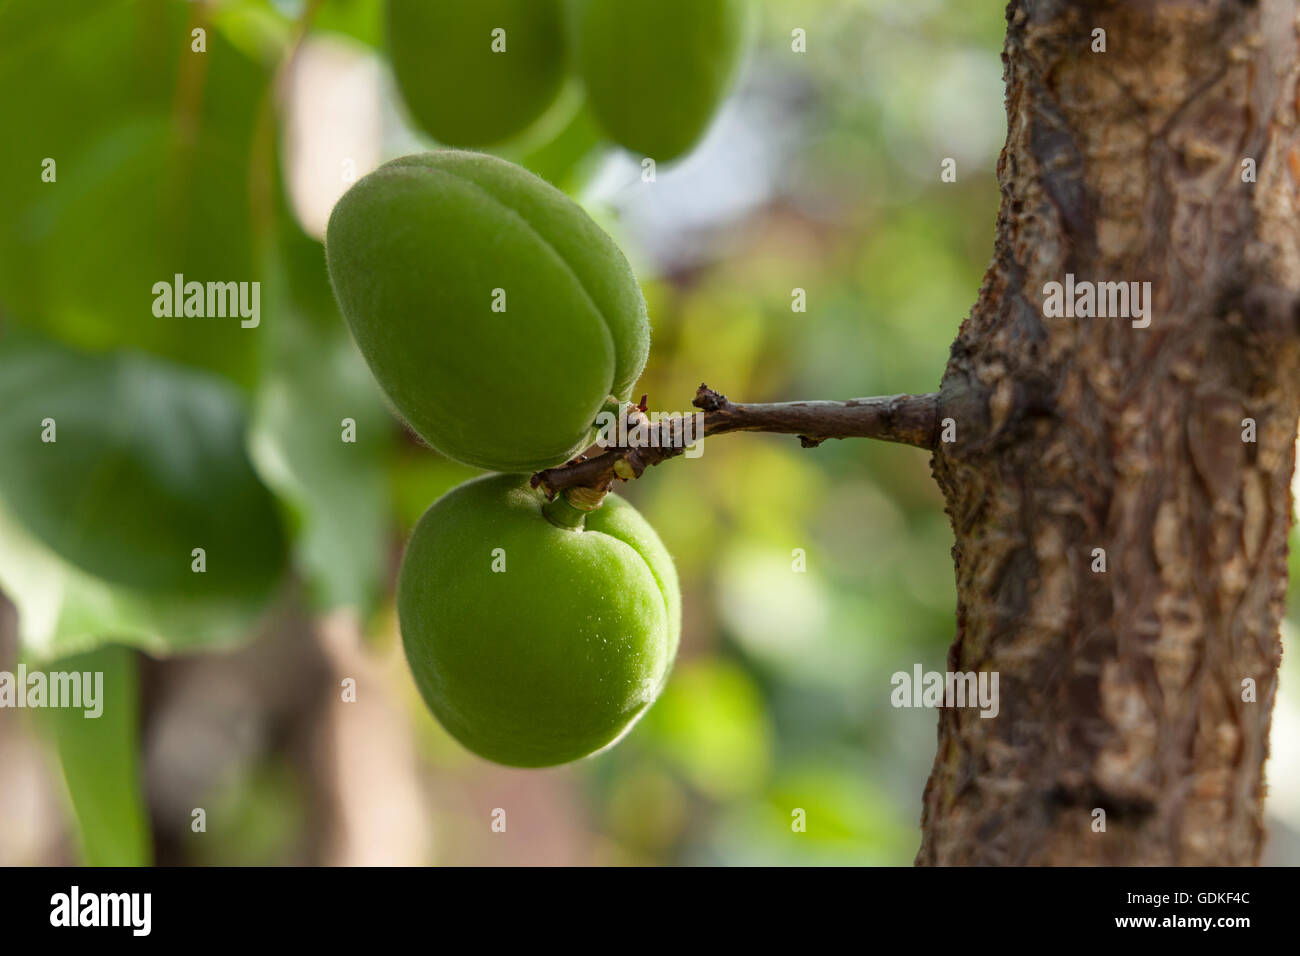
{"x": 906, "y": 419}
{"x": 561, "y": 513}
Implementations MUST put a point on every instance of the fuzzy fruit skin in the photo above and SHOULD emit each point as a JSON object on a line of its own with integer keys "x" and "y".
{"x": 654, "y": 80}
{"x": 456, "y": 87}
{"x": 415, "y": 250}
{"x": 557, "y": 656}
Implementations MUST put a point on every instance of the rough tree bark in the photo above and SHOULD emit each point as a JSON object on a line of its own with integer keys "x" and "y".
{"x": 1123, "y": 690}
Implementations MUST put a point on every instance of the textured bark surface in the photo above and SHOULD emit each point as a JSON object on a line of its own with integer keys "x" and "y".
{"x": 1122, "y": 690}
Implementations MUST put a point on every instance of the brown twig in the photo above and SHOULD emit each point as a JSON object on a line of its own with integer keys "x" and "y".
{"x": 907, "y": 419}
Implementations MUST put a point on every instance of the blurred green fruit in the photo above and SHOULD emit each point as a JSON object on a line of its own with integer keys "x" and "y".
{"x": 492, "y": 310}
{"x": 456, "y": 85}
{"x": 655, "y": 73}
{"x": 531, "y": 643}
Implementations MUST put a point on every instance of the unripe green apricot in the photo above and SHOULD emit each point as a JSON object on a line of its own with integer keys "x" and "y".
{"x": 496, "y": 315}
{"x": 655, "y": 79}
{"x": 474, "y": 72}
{"x": 535, "y": 644}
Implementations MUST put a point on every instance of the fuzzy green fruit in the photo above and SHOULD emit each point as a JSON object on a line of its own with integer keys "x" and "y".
{"x": 654, "y": 80}
{"x": 422, "y": 249}
{"x": 457, "y": 87}
{"x": 535, "y": 644}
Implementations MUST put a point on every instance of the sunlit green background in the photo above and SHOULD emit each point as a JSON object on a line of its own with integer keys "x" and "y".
{"x": 822, "y": 173}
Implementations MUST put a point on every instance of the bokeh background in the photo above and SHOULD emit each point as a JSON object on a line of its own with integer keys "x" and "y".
{"x": 821, "y": 173}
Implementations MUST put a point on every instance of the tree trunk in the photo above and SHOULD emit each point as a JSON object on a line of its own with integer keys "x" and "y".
{"x": 1126, "y": 689}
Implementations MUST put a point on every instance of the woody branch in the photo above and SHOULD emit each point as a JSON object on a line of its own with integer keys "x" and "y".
{"x": 906, "y": 419}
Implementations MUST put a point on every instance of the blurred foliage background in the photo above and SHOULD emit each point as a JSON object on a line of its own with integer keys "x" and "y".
{"x": 821, "y": 173}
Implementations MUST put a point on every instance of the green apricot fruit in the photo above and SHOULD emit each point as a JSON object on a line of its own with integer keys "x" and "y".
{"x": 535, "y": 644}
{"x": 494, "y": 313}
{"x": 474, "y": 72}
{"x": 654, "y": 80}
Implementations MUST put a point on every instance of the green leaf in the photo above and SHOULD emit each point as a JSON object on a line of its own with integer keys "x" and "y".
{"x": 99, "y": 527}
{"x": 100, "y": 757}
{"x": 315, "y": 381}
{"x": 151, "y": 180}
{"x": 711, "y": 724}
{"x": 256, "y": 27}
{"x": 362, "y": 20}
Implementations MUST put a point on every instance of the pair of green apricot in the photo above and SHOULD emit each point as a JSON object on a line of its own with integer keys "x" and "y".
{"x": 500, "y": 319}
{"x": 475, "y": 72}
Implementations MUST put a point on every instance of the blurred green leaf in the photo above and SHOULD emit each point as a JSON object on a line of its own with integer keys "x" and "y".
{"x": 62, "y": 610}
{"x": 144, "y": 462}
{"x": 711, "y": 724}
{"x": 362, "y": 20}
{"x": 420, "y": 477}
{"x": 100, "y": 757}
{"x": 255, "y": 27}
{"x": 782, "y": 616}
{"x": 261, "y": 817}
{"x": 315, "y": 392}
{"x": 647, "y": 809}
{"x": 845, "y": 820}
{"x": 151, "y": 180}
{"x": 100, "y": 525}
